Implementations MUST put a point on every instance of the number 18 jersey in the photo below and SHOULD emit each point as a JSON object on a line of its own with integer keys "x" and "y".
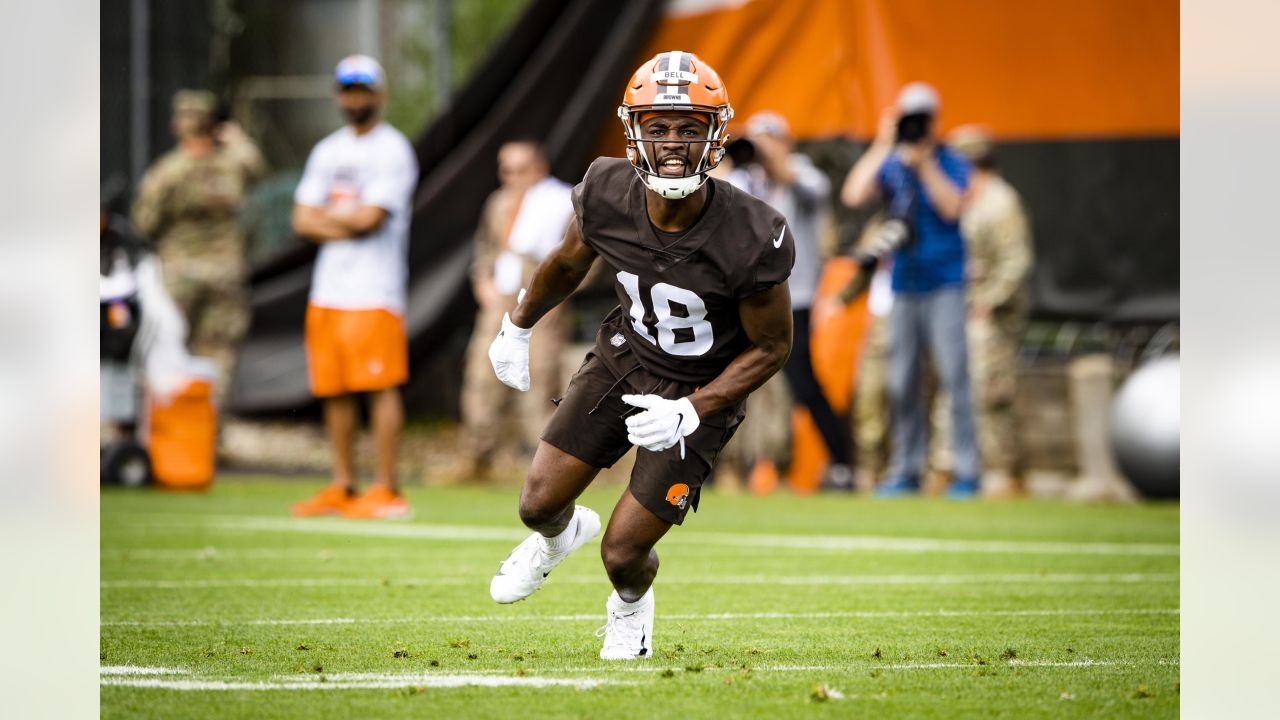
{"x": 678, "y": 295}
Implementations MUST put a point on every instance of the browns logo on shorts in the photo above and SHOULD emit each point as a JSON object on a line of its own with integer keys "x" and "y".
{"x": 678, "y": 495}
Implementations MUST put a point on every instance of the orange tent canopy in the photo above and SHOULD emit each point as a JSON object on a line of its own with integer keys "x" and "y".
{"x": 1089, "y": 68}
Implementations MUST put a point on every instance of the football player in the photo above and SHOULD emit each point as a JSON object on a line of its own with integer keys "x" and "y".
{"x": 704, "y": 318}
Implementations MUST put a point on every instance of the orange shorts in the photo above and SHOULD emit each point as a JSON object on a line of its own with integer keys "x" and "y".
{"x": 355, "y": 350}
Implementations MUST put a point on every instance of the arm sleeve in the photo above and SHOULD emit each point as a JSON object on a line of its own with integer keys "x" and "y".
{"x": 773, "y": 264}
{"x": 391, "y": 187}
{"x": 1011, "y": 238}
{"x": 313, "y": 189}
{"x": 248, "y": 158}
{"x": 578, "y": 196}
{"x": 148, "y": 214}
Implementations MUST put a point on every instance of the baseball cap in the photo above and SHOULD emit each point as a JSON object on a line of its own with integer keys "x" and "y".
{"x": 359, "y": 70}
{"x": 972, "y": 141}
{"x": 767, "y": 122}
{"x": 196, "y": 101}
{"x": 918, "y": 98}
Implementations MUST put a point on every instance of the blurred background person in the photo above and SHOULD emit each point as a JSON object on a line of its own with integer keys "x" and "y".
{"x": 871, "y": 394}
{"x": 522, "y": 222}
{"x": 922, "y": 185}
{"x": 767, "y": 166}
{"x": 355, "y": 200}
{"x": 142, "y": 330}
{"x": 999, "y": 253}
{"x": 187, "y": 205}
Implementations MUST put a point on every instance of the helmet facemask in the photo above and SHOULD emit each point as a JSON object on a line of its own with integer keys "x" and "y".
{"x": 642, "y": 152}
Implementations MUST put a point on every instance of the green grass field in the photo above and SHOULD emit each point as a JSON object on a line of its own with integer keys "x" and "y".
{"x": 220, "y": 605}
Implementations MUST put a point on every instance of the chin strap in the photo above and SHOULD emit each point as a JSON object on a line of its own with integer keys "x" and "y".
{"x": 673, "y": 188}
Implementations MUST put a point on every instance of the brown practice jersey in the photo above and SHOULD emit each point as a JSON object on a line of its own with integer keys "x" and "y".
{"x": 679, "y": 295}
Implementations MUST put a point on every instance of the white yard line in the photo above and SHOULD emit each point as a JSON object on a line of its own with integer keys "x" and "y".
{"x": 292, "y": 553}
{"x": 657, "y": 666}
{"x": 852, "y": 614}
{"x": 333, "y": 526}
{"x": 139, "y": 670}
{"x": 802, "y": 580}
{"x": 931, "y": 545}
{"x": 801, "y": 542}
{"x": 976, "y": 579}
{"x": 272, "y": 583}
{"x": 328, "y": 683}
{"x": 503, "y": 678}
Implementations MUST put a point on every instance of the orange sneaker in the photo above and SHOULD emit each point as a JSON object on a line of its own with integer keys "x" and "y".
{"x": 332, "y": 500}
{"x": 379, "y": 502}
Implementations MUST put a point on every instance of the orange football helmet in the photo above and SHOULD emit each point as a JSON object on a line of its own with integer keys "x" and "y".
{"x": 681, "y": 82}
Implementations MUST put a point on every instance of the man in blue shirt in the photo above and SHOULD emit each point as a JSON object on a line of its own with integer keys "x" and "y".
{"x": 922, "y": 184}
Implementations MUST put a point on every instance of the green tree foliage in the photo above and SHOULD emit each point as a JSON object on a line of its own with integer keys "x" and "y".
{"x": 475, "y": 28}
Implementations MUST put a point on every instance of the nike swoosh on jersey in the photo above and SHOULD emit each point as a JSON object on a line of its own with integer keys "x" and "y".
{"x": 777, "y": 242}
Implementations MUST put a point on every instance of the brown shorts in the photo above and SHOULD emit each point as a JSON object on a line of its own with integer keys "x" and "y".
{"x": 590, "y": 424}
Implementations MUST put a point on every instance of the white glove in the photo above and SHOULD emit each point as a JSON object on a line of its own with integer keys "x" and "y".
{"x": 663, "y": 422}
{"x": 509, "y": 354}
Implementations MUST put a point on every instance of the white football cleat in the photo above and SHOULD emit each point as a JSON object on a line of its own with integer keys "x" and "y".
{"x": 629, "y": 632}
{"x": 527, "y": 567}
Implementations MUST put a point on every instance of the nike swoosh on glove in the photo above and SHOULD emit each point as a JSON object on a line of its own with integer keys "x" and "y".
{"x": 662, "y": 424}
{"x": 509, "y": 354}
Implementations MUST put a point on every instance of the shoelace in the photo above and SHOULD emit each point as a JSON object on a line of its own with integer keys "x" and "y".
{"x": 529, "y": 557}
{"x": 617, "y": 632}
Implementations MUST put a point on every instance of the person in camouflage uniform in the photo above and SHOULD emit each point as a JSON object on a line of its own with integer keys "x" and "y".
{"x": 492, "y": 417}
{"x": 187, "y": 205}
{"x": 871, "y": 412}
{"x": 998, "y": 234}
{"x": 871, "y": 392}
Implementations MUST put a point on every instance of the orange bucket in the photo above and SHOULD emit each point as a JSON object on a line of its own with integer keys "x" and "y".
{"x": 183, "y": 432}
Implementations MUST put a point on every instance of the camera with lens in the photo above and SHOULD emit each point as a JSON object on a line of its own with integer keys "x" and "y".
{"x": 741, "y": 152}
{"x": 913, "y": 128}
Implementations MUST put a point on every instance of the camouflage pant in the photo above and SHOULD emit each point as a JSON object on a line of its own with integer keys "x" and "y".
{"x": 871, "y": 400}
{"x": 496, "y": 416}
{"x": 215, "y": 303}
{"x": 993, "y": 358}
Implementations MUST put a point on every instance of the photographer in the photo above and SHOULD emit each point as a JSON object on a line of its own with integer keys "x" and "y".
{"x": 766, "y": 165}
{"x": 922, "y": 185}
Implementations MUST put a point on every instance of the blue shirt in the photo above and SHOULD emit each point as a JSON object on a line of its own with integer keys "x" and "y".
{"x": 934, "y": 257}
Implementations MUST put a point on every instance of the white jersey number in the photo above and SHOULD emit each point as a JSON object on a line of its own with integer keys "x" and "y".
{"x": 662, "y": 296}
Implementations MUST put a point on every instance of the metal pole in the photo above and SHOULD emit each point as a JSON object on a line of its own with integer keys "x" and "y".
{"x": 368, "y": 26}
{"x": 139, "y": 88}
{"x": 442, "y": 54}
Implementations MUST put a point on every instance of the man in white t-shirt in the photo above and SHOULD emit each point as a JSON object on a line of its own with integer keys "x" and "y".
{"x": 355, "y": 199}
